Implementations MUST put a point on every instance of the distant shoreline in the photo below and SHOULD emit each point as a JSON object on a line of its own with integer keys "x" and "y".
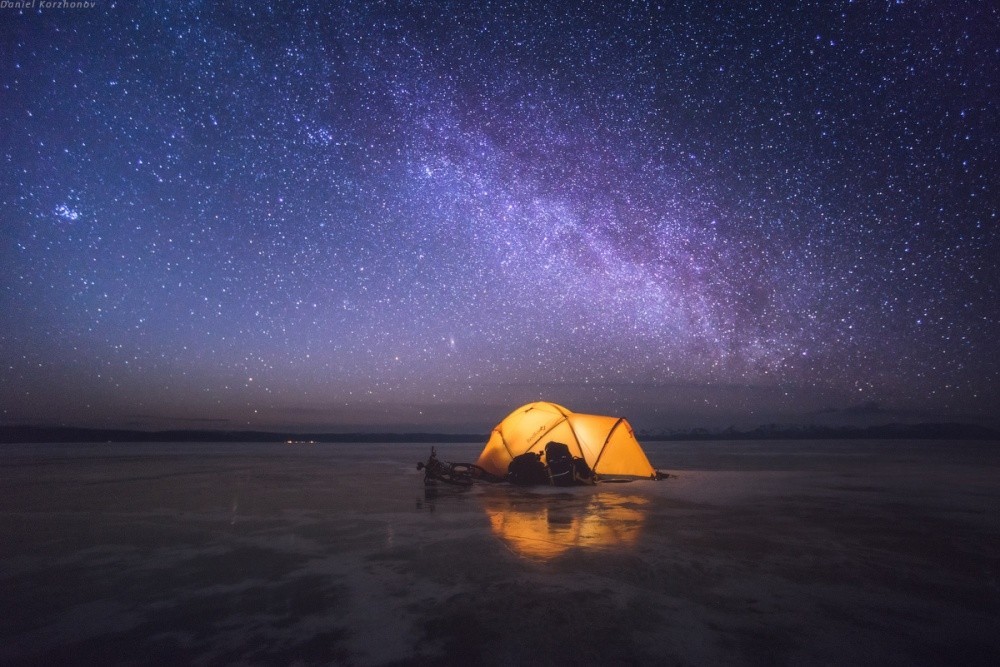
{"x": 16, "y": 434}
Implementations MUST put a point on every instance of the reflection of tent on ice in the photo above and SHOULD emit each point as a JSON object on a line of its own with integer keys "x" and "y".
{"x": 607, "y": 444}
{"x": 548, "y": 527}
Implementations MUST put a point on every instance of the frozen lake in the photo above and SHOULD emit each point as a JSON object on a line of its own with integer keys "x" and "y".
{"x": 764, "y": 552}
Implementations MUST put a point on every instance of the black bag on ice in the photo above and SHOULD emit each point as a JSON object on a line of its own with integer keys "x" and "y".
{"x": 527, "y": 470}
{"x": 560, "y": 463}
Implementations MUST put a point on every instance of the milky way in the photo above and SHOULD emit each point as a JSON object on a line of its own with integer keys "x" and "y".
{"x": 423, "y": 214}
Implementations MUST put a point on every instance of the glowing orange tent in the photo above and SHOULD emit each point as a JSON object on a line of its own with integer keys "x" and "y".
{"x": 607, "y": 444}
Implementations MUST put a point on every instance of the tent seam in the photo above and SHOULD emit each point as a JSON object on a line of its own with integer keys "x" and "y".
{"x": 549, "y": 430}
{"x": 606, "y": 441}
{"x": 503, "y": 441}
{"x": 577, "y": 438}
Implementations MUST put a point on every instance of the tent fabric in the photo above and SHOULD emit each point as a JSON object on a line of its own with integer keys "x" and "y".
{"x": 607, "y": 444}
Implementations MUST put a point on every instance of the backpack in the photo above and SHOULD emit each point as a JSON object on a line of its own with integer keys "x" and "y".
{"x": 527, "y": 470}
{"x": 566, "y": 469}
{"x": 560, "y": 463}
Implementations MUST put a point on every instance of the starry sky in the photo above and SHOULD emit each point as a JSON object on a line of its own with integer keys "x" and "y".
{"x": 419, "y": 215}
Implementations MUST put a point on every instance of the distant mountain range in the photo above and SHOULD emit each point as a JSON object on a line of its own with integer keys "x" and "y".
{"x": 924, "y": 431}
{"x": 21, "y": 433}
{"x": 929, "y": 431}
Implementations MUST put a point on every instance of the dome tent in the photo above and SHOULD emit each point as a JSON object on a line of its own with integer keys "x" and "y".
{"x": 607, "y": 444}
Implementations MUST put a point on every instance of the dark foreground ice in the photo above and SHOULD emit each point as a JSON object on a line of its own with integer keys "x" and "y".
{"x": 756, "y": 553}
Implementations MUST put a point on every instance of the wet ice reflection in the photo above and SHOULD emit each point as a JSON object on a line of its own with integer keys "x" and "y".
{"x": 544, "y": 526}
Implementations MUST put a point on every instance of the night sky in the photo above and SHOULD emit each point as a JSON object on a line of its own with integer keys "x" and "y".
{"x": 420, "y": 215}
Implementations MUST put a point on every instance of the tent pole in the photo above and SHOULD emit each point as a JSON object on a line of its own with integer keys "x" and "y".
{"x": 606, "y": 441}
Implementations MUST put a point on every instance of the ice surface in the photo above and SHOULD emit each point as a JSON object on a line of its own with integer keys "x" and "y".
{"x": 756, "y": 552}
